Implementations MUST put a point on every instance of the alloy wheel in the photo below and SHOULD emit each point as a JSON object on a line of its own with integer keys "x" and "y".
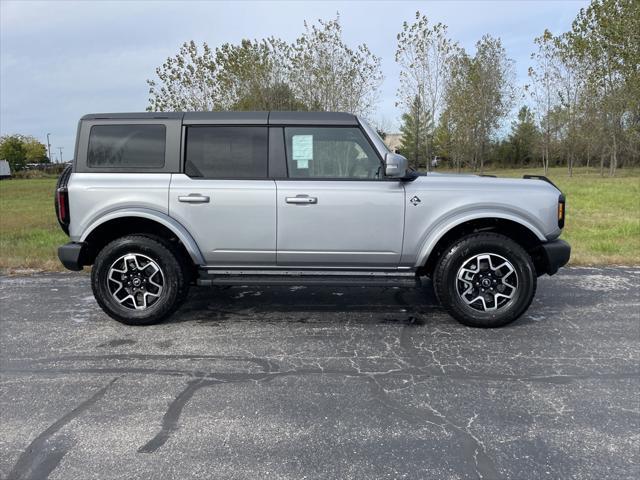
{"x": 135, "y": 281}
{"x": 487, "y": 282}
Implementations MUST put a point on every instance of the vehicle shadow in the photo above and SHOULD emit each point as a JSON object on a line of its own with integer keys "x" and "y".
{"x": 313, "y": 304}
{"x": 218, "y": 303}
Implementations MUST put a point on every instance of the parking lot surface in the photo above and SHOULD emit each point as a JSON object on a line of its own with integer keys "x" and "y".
{"x": 336, "y": 383}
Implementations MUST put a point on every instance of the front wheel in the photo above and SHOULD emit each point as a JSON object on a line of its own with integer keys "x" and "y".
{"x": 485, "y": 280}
{"x": 138, "y": 280}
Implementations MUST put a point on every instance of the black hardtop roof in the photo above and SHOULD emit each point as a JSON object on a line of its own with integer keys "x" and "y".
{"x": 236, "y": 118}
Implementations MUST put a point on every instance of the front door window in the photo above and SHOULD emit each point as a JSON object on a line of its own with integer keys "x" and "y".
{"x": 330, "y": 153}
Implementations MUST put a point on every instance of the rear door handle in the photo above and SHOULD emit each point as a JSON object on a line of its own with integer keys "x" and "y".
{"x": 193, "y": 198}
{"x": 302, "y": 200}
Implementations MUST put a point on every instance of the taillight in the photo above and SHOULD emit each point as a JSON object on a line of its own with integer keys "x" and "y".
{"x": 63, "y": 205}
{"x": 561, "y": 211}
{"x": 61, "y": 197}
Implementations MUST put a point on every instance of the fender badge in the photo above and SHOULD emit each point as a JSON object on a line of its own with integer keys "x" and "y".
{"x": 415, "y": 201}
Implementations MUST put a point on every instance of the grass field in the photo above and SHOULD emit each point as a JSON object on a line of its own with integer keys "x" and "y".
{"x": 603, "y": 219}
{"x": 29, "y": 231}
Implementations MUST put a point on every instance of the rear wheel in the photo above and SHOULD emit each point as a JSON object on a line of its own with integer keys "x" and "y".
{"x": 485, "y": 280}
{"x": 138, "y": 280}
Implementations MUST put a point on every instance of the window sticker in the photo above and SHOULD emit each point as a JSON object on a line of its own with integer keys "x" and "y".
{"x": 302, "y": 150}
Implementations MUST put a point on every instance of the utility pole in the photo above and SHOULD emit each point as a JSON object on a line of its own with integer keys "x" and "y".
{"x": 49, "y": 148}
{"x": 60, "y": 148}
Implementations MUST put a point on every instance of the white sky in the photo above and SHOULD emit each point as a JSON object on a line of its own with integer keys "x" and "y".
{"x": 62, "y": 59}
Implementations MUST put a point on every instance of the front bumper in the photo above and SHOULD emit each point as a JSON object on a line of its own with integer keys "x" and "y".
{"x": 555, "y": 254}
{"x": 71, "y": 255}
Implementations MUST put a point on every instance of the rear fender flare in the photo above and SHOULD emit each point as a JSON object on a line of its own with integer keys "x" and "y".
{"x": 177, "y": 228}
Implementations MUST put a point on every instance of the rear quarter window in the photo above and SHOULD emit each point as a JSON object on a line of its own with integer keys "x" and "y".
{"x": 126, "y": 146}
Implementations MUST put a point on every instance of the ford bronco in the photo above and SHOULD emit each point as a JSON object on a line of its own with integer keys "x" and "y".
{"x": 157, "y": 202}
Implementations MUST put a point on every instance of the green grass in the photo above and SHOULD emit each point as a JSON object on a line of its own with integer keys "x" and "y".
{"x": 29, "y": 231}
{"x": 603, "y": 219}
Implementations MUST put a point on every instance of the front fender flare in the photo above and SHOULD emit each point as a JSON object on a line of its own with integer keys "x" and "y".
{"x": 177, "y": 228}
{"x": 445, "y": 225}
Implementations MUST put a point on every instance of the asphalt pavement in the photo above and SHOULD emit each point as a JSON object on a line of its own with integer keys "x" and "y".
{"x": 331, "y": 383}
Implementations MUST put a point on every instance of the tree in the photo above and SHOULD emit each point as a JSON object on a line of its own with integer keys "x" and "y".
{"x": 414, "y": 144}
{"x": 12, "y": 150}
{"x": 592, "y": 135}
{"x": 586, "y": 86}
{"x": 523, "y": 138}
{"x": 424, "y": 54}
{"x": 543, "y": 89}
{"x": 479, "y": 95}
{"x": 272, "y": 97}
{"x": 493, "y": 75}
{"x": 186, "y": 81}
{"x": 604, "y": 38}
{"x": 255, "y": 76}
{"x": 326, "y": 74}
{"x": 35, "y": 151}
{"x": 458, "y": 117}
{"x": 570, "y": 86}
{"x": 249, "y": 76}
{"x": 443, "y": 138}
{"x": 319, "y": 72}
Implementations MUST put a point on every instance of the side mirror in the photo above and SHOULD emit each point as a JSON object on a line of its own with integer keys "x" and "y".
{"x": 395, "y": 166}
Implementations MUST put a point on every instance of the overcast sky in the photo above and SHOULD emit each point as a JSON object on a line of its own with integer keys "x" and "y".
{"x": 62, "y": 59}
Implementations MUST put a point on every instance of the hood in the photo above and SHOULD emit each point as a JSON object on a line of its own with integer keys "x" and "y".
{"x": 473, "y": 181}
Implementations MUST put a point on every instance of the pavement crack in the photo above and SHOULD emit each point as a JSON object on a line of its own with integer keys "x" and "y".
{"x": 45, "y": 452}
{"x": 473, "y": 447}
{"x": 173, "y": 413}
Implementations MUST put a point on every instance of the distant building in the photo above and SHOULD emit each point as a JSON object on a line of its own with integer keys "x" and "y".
{"x": 5, "y": 169}
{"x": 393, "y": 141}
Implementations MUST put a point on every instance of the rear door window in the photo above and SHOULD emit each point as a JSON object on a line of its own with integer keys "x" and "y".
{"x": 226, "y": 152}
{"x": 127, "y": 146}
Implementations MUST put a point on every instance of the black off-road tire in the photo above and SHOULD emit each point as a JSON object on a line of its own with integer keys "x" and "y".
{"x": 186, "y": 264}
{"x": 175, "y": 283}
{"x": 444, "y": 279}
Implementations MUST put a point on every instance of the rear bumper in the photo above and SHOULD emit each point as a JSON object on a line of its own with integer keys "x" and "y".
{"x": 555, "y": 254}
{"x": 71, "y": 255}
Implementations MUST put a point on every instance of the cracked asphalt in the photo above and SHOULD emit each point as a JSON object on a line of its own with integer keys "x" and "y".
{"x": 336, "y": 383}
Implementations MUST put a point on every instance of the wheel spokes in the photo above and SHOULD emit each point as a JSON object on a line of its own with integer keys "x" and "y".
{"x": 487, "y": 282}
{"x": 135, "y": 281}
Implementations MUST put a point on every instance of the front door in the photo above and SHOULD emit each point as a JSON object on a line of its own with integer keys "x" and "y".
{"x": 225, "y": 198}
{"x": 336, "y": 209}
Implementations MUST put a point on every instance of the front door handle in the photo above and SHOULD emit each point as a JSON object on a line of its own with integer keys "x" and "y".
{"x": 302, "y": 200}
{"x": 193, "y": 198}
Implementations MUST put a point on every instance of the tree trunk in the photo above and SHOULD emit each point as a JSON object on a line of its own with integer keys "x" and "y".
{"x": 546, "y": 151}
{"x": 417, "y": 142}
{"x": 602, "y": 155}
{"x": 428, "y": 144}
{"x": 570, "y": 161}
{"x": 614, "y": 157}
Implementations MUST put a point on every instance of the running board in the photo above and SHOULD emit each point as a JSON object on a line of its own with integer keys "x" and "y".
{"x": 209, "y": 277}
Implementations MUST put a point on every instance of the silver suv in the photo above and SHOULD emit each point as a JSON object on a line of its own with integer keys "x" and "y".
{"x": 158, "y": 202}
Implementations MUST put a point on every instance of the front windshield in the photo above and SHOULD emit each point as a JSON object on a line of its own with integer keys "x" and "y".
{"x": 375, "y": 138}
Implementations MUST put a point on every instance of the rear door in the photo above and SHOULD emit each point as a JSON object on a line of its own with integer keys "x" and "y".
{"x": 224, "y": 197}
{"x": 336, "y": 208}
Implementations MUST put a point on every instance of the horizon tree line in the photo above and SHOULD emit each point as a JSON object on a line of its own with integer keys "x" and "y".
{"x": 581, "y": 105}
